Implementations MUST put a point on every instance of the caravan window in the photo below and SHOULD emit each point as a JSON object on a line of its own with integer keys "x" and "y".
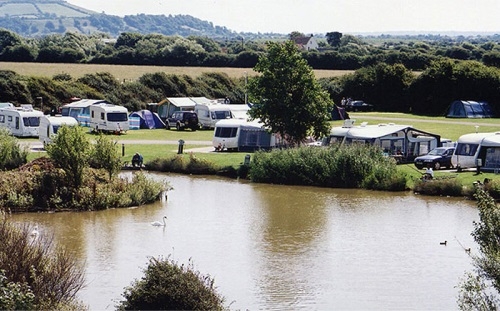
{"x": 2, "y": 118}
{"x": 9, "y": 118}
{"x": 466, "y": 149}
{"x": 31, "y": 121}
{"x": 226, "y": 132}
{"x": 117, "y": 117}
{"x": 221, "y": 115}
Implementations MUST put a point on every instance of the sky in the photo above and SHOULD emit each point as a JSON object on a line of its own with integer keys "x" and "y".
{"x": 320, "y": 16}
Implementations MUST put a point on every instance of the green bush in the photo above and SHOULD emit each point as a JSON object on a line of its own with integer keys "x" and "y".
{"x": 15, "y": 296}
{"x": 181, "y": 164}
{"x": 12, "y": 155}
{"x": 348, "y": 166}
{"x": 444, "y": 187}
{"x": 169, "y": 286}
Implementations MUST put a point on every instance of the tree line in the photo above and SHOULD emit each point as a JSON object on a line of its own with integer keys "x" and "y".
{"x": 337, "y": 51}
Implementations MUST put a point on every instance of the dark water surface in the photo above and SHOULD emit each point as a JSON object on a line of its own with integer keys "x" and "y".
{"x": 280, "y": 247}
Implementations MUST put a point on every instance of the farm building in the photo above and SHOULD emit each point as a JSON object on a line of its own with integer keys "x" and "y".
{"x": 469, "y": 109}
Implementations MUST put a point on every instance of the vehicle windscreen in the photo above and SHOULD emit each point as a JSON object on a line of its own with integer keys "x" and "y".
{"x": 117, "y": 117}
{"x": 31, "y": 121}
{"x": 437, "y": 151}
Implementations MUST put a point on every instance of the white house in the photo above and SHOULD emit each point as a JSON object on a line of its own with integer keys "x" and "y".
{"x": 307, "y": 43}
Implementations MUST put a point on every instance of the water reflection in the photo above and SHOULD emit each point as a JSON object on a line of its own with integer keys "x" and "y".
{"x": 280, "y": 247}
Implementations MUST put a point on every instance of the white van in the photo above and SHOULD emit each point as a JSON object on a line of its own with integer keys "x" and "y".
{"x": 109, "y": 118}
{"x": 21, "y": 121}
{"x": 49, "y": 125}
{"x": 209, "y": 114}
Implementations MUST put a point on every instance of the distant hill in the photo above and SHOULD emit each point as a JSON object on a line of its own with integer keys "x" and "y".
{"x": 32, "y": 18}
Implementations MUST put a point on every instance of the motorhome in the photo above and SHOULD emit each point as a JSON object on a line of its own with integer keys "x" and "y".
{"x": 109, "y": 118}
{"x": 241, "y": 135}
{"x": 21, "y": 121}
{"x": 401, "y": 142}
{"x": 49, "y": 125}
{"x": 211, "y": 113}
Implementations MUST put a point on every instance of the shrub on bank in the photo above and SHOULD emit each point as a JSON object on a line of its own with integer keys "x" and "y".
{"x": 348, "y": 166}
{"x": 34, "y": 273}
{"x": 444, "y": 187}
{"x": 39, "y": 185}
{"x": 181, "y": 164}
{"x": 12, "y": 155}
{"x": 169, "y": 286}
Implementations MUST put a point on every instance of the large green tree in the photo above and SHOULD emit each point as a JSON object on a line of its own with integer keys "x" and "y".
{"x": 288, "y": 98}
{"x": 480, "y": 291}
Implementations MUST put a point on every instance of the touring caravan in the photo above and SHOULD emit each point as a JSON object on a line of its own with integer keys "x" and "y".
{"x": 402, "y": 142}
{"x": 49, "y": 125}
{"x": 209, "y": 114}
{"x": 241, "y": 135}
{"x": 80, "y": 110}
{"x": 474, "y": 147}
{"x": 109, "y": 118}
{"x": 21, "y": 121}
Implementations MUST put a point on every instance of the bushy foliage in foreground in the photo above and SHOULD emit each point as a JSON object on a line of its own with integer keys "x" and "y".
{"x": 167, "y": 285}
{"x": 480, "y": 290}
{"x": 348, "y": 166}
{"x": 34, "y": 273}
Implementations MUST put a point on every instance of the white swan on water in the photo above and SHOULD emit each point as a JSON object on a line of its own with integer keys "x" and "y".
{"x": 35, "y": 232}
{"x": 157, "y": 223}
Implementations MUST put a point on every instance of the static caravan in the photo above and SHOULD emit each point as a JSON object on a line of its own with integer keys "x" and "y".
{"x": 80, "y": 110}
{"x": 211, "y": 113}
{"x": 473, "y": 147}
{"x": 21, "y": 121}
{"x": 402, "y": 142}
{"x": 109, "y": 118}
{"x": 241, "y": 135}
{"x": 49, "y": 125}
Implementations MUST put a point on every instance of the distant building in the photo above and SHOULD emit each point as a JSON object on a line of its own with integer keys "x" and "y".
{"x": 307, "y": 43}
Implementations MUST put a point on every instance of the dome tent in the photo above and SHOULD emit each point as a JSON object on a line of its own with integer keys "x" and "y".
{"x": 469, "y": 109}
{"x": 148, "y": 119}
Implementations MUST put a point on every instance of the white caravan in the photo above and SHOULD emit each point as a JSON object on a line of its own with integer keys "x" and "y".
{"x": 109, "y": 118}
{"x": 49, "y": 125}
{"x": 209, "y": 114}
{"x": 241, "y": 135}
{"x": 469, "y": 149}
{"x": 21, "y": 121}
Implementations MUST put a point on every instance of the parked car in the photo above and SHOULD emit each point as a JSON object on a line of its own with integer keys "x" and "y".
{"x": 183, "y": 119}
{"x": 436, "y": 158}
{"x": 358, "y": 105}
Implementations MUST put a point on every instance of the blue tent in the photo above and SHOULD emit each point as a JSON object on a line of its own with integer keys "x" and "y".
{"x": 469, "y": 109}
{"x": 148, "y": 119}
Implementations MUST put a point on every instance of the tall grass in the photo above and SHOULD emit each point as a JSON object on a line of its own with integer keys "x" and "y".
{"x": 348, "y": 166}
{"x": 52, "y": 275}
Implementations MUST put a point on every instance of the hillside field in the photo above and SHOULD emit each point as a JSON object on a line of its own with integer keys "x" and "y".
{"x": 133, "y": 72}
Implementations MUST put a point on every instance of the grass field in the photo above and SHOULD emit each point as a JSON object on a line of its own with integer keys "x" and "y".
{"x": 131, "y": 72}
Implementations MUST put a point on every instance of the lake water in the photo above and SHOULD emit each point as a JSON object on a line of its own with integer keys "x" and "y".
{"x": 272, "y": 247}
